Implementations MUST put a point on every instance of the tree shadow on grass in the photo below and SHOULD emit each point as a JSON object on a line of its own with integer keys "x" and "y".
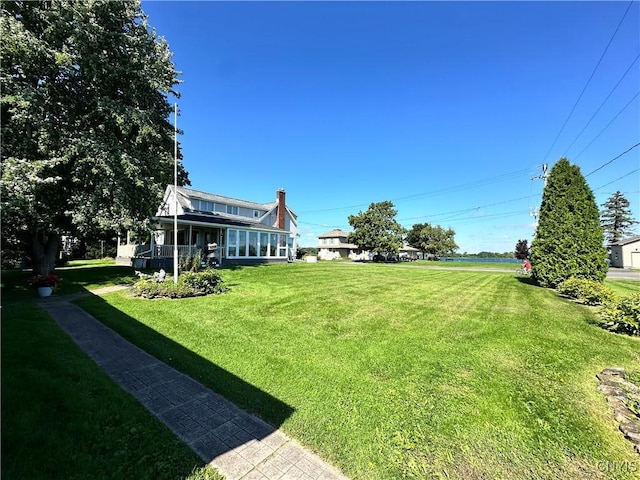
{"x": 528, "y": 280}
{"x": 213, "y": 425}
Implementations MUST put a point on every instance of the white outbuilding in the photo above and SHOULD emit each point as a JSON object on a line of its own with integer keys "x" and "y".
{"x": 626, "y": 253}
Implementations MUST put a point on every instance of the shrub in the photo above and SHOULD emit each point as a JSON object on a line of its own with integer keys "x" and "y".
{"x": 589, "y": 292}
{"x": 206, "y": 282}
{"x": 190, "y": 284}
{"x": 622, "y": 315}
{"x": 191, "y": 263}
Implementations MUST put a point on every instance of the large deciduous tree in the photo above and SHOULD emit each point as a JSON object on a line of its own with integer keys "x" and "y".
{"x": 432, "y": 239}
{"x": 522, "y": 249}
{"x": 377, "y": 230}
{"x": 616, "y": 218}
{"x": 87, "y": 139}
{"x": 569, "y": 240}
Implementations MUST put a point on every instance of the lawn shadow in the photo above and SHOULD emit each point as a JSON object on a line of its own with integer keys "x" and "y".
{"x": 529, "y": 280}
{"x": 198, "y": 408}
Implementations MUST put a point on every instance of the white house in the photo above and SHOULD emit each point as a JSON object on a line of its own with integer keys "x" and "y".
{"x": 235, "y": 232}
{"x": 626, "y": 253}
{"x": 333, "y": 245}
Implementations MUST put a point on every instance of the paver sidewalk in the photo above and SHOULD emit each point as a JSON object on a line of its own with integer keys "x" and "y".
{"x": 237, "y": 444}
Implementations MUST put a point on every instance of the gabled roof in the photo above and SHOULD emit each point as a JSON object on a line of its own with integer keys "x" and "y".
{"x": 210, "y": 197}
{"x": 337, "y": 233}
{"x": 627, "y": 241}
{"x": 185, "y": 193}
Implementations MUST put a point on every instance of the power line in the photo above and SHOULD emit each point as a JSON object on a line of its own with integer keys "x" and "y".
{"x": 588, "y": 81}
{"x": 466, "y": 186}
{"x": 460, "y": 212}
{"x": 612, "y": 160}
{"x": 601, "y": 105}
{"x": 608, "y": 125}
{"x": 619, "y": 178}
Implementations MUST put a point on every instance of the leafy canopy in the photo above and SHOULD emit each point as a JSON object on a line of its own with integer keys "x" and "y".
{"x": 87, "y": 141}
{"x": 522, "y": 249}
{"x": 377, "y": 230}
{"x": 569, "y": 239}
{"x": 432, "y": 239}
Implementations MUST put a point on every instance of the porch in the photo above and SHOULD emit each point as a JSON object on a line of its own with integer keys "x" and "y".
{"x": 156, "y": 252}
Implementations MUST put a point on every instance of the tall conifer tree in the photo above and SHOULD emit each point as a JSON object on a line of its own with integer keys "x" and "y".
{"x": 616, "y": 218}
{"x": 569, "y": 241}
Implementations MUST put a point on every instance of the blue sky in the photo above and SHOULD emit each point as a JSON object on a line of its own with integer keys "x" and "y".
{"x": 445, "y": 108}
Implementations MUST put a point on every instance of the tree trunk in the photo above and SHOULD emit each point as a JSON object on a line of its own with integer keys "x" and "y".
{"x": 45, "y": 250}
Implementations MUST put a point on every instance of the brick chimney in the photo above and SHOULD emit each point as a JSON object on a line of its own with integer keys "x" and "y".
{"x": 281, "y": 208}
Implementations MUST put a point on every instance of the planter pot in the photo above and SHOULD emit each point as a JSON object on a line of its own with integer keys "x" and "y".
{"x": 45, "y": 291}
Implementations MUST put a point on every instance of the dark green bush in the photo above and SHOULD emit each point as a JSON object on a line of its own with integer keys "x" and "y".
{"x": 622, "y": 315}
{"x": 190, "y": 284}
{"x": 589, "y": 292}
{"x": 205, "y": 282}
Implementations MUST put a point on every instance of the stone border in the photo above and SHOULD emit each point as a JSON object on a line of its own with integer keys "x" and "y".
{"x": 614, "y": 385}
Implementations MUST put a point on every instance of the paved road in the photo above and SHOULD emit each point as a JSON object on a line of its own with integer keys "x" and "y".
{"x": 613, "y": 273}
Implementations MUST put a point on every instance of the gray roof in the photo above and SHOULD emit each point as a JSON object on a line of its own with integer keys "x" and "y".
{"x": 188, "y": 192}
{"x": 336, "y": 246}
{"x": 337, "y": 233}
{"x": 627, "y": 241}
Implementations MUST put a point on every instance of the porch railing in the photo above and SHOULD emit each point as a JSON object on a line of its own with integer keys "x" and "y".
{"x": 158, "y": 251}
{"x": 166, "y": 251}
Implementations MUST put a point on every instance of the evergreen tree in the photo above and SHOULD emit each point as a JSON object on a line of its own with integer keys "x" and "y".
{"x": 87, "y": 141}
{"x": 377, "y": 230}
{"x": 616, "y": 218}
{"x": 569, "y": 239}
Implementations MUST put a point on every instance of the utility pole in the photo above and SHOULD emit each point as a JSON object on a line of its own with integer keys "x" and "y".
{"x": 544, "y": 175}
{"x": 535, "y": 212}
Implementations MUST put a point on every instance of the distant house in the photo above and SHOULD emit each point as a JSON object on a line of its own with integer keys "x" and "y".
{"x": 233, "y": 231}
{"x": 409, "y": 253}
{"x": 333, "y": 245}
{"x": 626, "y": 253}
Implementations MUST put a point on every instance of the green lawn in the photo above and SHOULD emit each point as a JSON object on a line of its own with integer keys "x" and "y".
{"x": 62, "y": 417}
{"x": 77, "y": 277}
{"x": 397, "y": 372}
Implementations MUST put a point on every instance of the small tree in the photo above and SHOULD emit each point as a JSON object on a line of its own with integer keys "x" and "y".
{"x": 432, "y": 239}
{"x": 377, "y": 230}
{"x": 522, "y": 249}
{"x": 616, "y": 218}
{"x": 569, "y": 239}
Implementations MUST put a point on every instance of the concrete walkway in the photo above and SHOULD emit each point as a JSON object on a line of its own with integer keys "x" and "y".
{"x": 237, "y": 444}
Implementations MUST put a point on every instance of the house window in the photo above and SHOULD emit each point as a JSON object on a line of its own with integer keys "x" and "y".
{"x": 204, "y": 206}
{"x": 282, "y": 246}
{"x": 232, "y": 243}
{"x": 242, "y": 243}
{"x": 253, "y": 244}
{"x": 233, "y": 210}
{"x": 256, "y": 214}
{"x": 273, "y": 244}
{"x": 264, "y": 244}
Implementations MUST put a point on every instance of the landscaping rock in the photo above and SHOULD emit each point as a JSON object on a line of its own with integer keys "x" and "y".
{"x": 619, "y": 393}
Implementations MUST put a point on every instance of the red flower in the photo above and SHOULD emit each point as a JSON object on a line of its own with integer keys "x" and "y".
{"x": 48, "y": 280}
